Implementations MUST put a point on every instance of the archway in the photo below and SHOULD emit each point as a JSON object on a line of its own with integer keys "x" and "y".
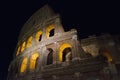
{"x": 24, "y": 65}
{"x": 33, "y": 61}
{"x": 29, "y": 42}
{"x": 38, "y": 36}
{"x": 106, "y": 54}
{"x": 50, "y": 56}
{"x": 65, "y": 52}
{"x": 50, "y": 31}
{"x": 23, "y": 46}
{"x": 67, "y": 55}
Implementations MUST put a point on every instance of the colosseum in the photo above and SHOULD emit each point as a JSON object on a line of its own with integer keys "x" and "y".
{"x": 46, "y": 52}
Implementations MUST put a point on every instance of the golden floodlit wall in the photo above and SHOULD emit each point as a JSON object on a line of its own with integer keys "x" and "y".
{"x": 49, "y": 28}
{"x": 24, "y": 65}
{"x": 29, "y": 42}
{"x": 33, "y": 61}
{"x": 38, "y": 36}
{"x": 18, "y": 51}
{"x": 23, "y": 46}
{"x": 62, "y": 47}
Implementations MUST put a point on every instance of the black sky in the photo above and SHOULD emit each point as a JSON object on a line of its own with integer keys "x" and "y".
{"x": 88, "y": 17}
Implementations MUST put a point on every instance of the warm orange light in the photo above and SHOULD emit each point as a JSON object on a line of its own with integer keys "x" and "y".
{"x": 108, "y": 56}
{"x": 18, "y": 50}
{"x": 23, "y": 65}
{"x": 49, "y": 28}
{"x": 23, "y": 46}
{"x": 33, "y": 61}
{"x": 62, "y": 47}
{"x": 38, "y": 34}
{"x": 29, "y": 42}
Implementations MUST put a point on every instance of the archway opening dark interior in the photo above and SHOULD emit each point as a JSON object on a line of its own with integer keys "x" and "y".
{"x": 40, "y": 37}
{"x": 36, "y": 62}
{"x": 67, "y": 54}
{"x": 104, "y": 55}
{"x": 51, "y": 33}
{"x": 50, "y": 56}
{"x": 102, "y": 58}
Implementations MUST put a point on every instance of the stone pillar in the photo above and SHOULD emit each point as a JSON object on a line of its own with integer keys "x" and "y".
{"x": 28, "y": 63}
{"x": 55, "y": 53}
{"x": 39, "y": 61}
{"x": 77, "y": 51}
{"x": 43, "y": 58}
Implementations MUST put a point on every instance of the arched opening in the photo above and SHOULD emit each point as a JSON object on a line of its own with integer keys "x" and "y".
{"x": 23, "y": 46}
{"x": 65, "y": 53}
{"x": 29, "y": 42}
{"x": 50, "y": 56}
{"x": 36, "y": 62}
{"x": 106, "y": 55}
{"x": 38, "y": 36}
{"x": 50, "y": 31}
{"x": 23, "y": 65}
{"x": 18, "y": 51}
{"x": 33, "y": 61}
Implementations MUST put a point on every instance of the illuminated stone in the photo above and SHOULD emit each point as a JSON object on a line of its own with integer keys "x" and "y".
{"x": 50, "y": 53}
{"x": 18, "y": 51}
{"x": 33, "y": 60}
{"x": 23, "y": 46}
{"x": 29, "y": 42}
{"x": 23, "y": 65}
{"x": 38, "y": 36}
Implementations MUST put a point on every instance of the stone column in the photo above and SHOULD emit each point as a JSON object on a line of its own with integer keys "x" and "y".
{"x": 43, "y": 54}
{"x": 76, "y": 48}
{"x": 57, "y": 62}
{"x": 55, "y": 53}
{"x": 39, "y": 61}
{"x": 28, "y": 63}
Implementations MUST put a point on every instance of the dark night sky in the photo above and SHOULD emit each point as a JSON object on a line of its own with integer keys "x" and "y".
{"x": 88, "y": 17}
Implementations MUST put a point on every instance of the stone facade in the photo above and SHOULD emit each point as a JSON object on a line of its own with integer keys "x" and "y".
{"x": 46, "y": 52}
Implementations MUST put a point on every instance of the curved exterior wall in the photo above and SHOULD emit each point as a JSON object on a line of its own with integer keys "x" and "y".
{"x": 60, "y": 40}
{"x": 46, "y": 52}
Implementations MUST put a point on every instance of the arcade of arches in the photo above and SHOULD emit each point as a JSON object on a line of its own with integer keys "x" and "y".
{"x": 49, "y": 33}
{"x": 64, "y": 55}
